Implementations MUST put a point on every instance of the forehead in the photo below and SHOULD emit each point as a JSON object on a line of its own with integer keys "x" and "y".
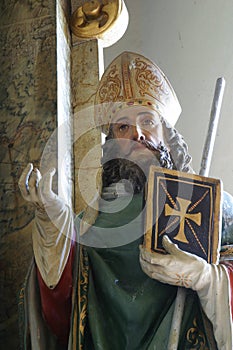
{"x": 133, "y": 113}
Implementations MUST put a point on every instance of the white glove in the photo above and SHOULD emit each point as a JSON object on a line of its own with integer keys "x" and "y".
{"x": 53, "y": 224}
{"x": 177, "y": 268}
{"x": 211, "y": 282}
{"x": 38, "y": 190}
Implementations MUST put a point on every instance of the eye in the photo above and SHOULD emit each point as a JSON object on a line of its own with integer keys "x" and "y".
{"x": 123, "y": 127}
{"x": 148, "y": 122}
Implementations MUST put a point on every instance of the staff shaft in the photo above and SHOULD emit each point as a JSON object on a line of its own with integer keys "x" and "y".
{"x": 204, "y": 171}
{"x": 212, "y": 129}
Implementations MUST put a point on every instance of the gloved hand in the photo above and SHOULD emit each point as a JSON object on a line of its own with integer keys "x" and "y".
{"x": 177, "y": 268}
{"x": 211, "y": 282}
{"x": 53, "y": 225}
{"x": 38, "y": 190}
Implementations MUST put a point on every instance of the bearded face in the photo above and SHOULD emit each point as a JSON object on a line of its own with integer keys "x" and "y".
{"x": 135, "y": 142}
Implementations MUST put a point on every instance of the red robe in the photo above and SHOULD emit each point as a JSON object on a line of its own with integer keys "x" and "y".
{"x": 57, "y": 303}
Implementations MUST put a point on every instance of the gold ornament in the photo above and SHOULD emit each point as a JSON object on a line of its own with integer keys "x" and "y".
{"x": 106, "y": 20}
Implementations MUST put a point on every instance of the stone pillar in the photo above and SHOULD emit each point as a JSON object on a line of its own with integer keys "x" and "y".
{"x": 87, "y": 139}
{"x": 87, "y": 68}
{"x": 28, "y": 103}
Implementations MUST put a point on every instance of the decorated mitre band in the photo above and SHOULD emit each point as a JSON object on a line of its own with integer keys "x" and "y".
{"x": 131, "y": 80}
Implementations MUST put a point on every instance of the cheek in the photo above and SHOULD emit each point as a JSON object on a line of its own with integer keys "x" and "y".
{"x": 157, "y": 135}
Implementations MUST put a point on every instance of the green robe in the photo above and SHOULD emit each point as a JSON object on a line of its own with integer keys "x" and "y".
{"x": 116, "y": 306}
{"x": 125, "y": 309}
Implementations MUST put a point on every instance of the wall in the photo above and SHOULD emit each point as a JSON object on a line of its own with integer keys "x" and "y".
{"x": 28, "y": 103}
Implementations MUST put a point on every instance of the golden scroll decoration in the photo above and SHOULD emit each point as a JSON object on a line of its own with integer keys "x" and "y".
{"x": 106, "y": 20}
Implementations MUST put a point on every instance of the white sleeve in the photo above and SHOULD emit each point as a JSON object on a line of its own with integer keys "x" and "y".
{"x": 52, "y": 242}
{"x": 215, "y": 300}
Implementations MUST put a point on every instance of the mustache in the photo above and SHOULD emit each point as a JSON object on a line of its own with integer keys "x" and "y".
{"x": 160, "y": 150}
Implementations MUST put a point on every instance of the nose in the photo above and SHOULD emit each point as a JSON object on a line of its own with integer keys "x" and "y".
{"x": 137, "y": 133}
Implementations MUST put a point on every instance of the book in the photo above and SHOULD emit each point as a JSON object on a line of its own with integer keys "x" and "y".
{"x": 185, "y": 207}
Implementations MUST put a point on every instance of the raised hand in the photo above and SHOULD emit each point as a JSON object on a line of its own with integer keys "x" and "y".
{"x": 53, "y": 225}
{"x": 37, "y": 189}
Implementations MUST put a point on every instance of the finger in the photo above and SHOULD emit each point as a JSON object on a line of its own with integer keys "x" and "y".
{"x": 146, "y": 266}
{"x": 23, "y": 180}
{"x": 170, "y": 247}
{"x": 33, "y": 185}
{"x": 153, "y": 257}
{"x": 45, "y": 184}
{"x": 158, "y": 273}
{"x": 145, "y": 254}
{"x": 34, "y": 178}
{"x": 38, "y": 175}
{"x": 152, "y": 270}
{"x": 48, "y": 180}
